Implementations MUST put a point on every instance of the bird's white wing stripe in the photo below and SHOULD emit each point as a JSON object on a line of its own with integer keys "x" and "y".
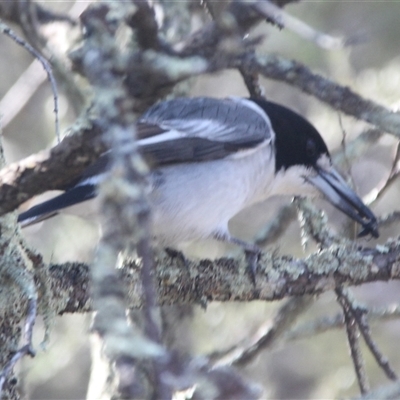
{"x": 162, "y": 137}
{"x": 93, "y": 180}
{"x": 249, "y": 152}
{"x": 178, "y": 129}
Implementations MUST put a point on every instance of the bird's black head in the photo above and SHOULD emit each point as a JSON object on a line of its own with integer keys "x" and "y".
{"x": 299, "y": 148}
{"x": 297, "y": 142}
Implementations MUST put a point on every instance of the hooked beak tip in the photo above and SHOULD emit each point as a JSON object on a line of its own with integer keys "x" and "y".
{"x": 336, "y": 190}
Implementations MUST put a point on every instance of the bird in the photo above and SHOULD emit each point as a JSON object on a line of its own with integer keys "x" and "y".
{"x": 211, "y": 158}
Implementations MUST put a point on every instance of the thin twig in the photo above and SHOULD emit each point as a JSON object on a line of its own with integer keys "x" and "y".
{"x": 325, "y": 324}
{"x": 12, "y": 12}
{"x": 392, "y": 177}
{"x": 343, "y": 145}
{"x": 354, "y": 342}
{"x": 47, "y": 67}
{"x": 27, "y": 84}
{"x": 244, "y": 352}
{"x": 21, "y": 92}
{"x": 352, "y": 226}
{"x": 359, "y": 313}
{"x": 379, "y": 357}
{"x": 285, "y": 20}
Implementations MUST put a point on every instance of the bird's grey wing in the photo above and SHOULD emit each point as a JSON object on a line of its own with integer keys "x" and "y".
{"x": 201, "y": 129}
{"x": 193, "y": 130}
{"x": 171, "y": 132}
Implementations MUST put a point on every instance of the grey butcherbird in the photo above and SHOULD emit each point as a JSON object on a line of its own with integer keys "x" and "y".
{"x": 212, "y": 158}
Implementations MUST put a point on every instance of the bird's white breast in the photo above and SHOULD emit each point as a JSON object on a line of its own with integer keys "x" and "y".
{"x": 196, "y": 200}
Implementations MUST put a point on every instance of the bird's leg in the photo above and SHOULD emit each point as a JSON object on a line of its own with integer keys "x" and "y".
{"x": 252, "y": 252}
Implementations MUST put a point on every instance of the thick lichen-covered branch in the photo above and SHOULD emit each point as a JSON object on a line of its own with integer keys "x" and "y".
{"x": 226, "y": 279}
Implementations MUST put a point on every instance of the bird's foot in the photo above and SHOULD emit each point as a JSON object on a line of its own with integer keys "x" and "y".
{"x": 252, "y": 258}
{"x": 252, "y": 253}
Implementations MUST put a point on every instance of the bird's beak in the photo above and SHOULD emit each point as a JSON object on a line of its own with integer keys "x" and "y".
{"x": 337, "y": 192}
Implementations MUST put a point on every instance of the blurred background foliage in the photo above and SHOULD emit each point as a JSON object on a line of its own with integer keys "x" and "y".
{"x": 314, "y": 368}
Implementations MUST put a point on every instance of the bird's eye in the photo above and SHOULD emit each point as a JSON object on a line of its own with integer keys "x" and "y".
{"x": 311, "y": 148}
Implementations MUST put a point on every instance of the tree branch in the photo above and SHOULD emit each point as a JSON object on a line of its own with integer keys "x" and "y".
{"x": 339, "y": 97}
{"x": 50, "y": 169}
{"x": 226, "y": 279}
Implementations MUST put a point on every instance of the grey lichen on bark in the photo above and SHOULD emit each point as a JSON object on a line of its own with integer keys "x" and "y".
{"x": 226, "y": 279}
{"x": 18, "y": 288}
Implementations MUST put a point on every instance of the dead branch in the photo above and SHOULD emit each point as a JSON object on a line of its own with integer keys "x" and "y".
{"x": 45, "y": 64}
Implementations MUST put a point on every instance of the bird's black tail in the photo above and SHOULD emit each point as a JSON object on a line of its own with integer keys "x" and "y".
{"x": 51, "y": 207}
